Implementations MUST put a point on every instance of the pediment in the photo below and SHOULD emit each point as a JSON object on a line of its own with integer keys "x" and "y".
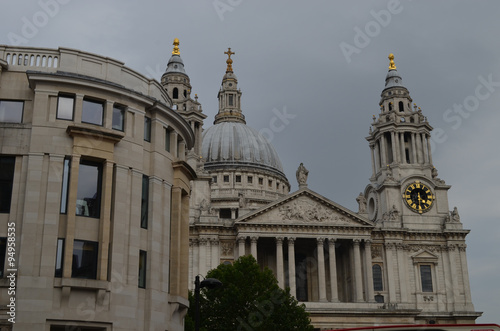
{"x": 424, "y": 256}
{"x": 305, "y": 207}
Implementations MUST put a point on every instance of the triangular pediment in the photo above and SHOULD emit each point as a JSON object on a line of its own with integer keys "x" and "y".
{"x": 305, "y": 207}
{"x": 424, "y": 256}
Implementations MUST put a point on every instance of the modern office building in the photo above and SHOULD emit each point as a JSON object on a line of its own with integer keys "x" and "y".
{"x": 95, "y": 186}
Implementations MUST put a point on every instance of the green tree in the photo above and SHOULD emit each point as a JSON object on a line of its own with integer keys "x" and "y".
{"x": 249, "y": 299}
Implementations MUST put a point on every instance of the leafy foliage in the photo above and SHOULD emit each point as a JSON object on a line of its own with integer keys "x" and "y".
{"x": 249, "y": 299}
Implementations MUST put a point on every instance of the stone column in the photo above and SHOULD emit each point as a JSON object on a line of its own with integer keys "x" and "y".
{"x": 215, "y": 253}
{"x": 394, "y": 148}
{"x": 454, "y": 273}
{"x": 358, "y": 277}
{"x": 291, "y": 266}
{"x": 402, "y": 147}
{"x": 465, "y": 273}
{"x": 253, "y": 246}
{"x": 429, "y": 152}
{"x": 372, "y": 150}
{"x": 191, "y": 267}
{"x": 425, "y": 147}
{"x": 333, "y": 270}
{"x": 241, "y": 246}
{"x": 208, "y": 257}
{"x": 321, "y": 270}
{"x": 202, "y": 254}
{"x": 279, "y": 262}
{"x": 233, "y": 213}
{"x": 196, "y": 263}
{"x": 414, "y": 148}
{"x": 383, "y": 152}
{"x": 370, "y": 293}
{"x": 389, "y": 252}
{"x": 377, "y": 158}
{"x": 402, "y": 271}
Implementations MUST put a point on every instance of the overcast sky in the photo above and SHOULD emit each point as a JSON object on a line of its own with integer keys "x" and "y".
{"x": 323, "y": 63}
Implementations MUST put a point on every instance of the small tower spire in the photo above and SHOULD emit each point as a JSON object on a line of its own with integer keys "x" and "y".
{"x": 392, "y": 65}
{"x": 229, "y": 61}
{"x": 176, "y": 47}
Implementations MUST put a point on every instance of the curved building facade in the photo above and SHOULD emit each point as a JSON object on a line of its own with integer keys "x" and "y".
{"x": 95, "y": 185}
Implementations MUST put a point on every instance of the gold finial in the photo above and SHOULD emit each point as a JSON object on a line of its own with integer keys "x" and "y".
{"x": 392, "y": 66}
{"x": 229, "y": 61}
{"x": 176, "y": 47}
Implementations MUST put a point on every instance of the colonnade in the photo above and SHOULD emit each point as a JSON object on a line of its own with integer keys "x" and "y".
{"x": 322, "y": 261}
{"x": 385, "y": 152}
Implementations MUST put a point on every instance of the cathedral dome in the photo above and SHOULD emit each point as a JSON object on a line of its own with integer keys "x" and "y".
{"x": 229, "y": 144}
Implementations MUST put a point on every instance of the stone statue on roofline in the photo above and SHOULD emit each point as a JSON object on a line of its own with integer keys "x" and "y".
{"x": 301, "y": 175}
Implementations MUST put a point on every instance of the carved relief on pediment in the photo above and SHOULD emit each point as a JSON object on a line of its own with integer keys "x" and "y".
{"x": 308, "y": 211}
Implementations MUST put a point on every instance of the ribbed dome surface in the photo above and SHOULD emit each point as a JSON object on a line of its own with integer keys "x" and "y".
{"x": 232, "y": 143}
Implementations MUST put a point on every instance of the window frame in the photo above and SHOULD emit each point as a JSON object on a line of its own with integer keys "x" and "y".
{"x": 117, "y": 108}
{"x": 98, "y": 198}
{"x": 65, "y": 185}
{"x": 58, "y": 272}
{"x": 168, "y": 140}
{"x": 2, "y": 114}
{"x": 7, "y": 181}
{"x": 87, "y": 101}
{"x": 429, "y": 287}
{"x": 145, "y": 202}
{"x": 95, "y": 261}
{"x": 3, "y": 252}
{"x": 147, "y": 129}
{"x": 143, "y": 262}
{"x": 65, "y": 96}
{"x": 381, "y": 281}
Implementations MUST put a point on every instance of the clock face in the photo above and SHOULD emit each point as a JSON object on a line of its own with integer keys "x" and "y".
{"x": 418, "y": 197}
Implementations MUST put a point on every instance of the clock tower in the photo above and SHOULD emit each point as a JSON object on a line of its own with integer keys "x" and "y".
{"x": 404, "y": 190}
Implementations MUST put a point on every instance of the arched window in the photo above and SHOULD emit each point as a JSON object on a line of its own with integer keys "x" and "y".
{"x": 175, "y": 93}
{"x": 378, "y": 285}
{"x": 185, "y": 94}
{"x": 401, "y": 106}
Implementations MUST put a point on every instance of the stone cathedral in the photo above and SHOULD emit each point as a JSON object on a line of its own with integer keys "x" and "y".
{"x": 399, "y": 259}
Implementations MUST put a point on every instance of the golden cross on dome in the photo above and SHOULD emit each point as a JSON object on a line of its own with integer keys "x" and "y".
{"x": 392, "y": 65}
{"x": 176, "y": 47}
{"x": 229, "y": 61}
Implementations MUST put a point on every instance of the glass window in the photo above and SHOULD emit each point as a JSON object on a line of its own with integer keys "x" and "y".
{"x": 84, "y": 259}
{"x": 3, "y": 250}
{"x": 88, "y": 199}
{"x": 144, "y": 202}
{"x": 426, "y": 278}
{"x": 230, "y": 99}
{"x": 59, "y": 257}
{"x": 65, "y": 186}
{"x": 65, "y": 107}
{"x": 225, "y": 213}
{"x": 250, "y": 179}
{"x": 7, "y": 165}
{"x": 142, "y": 268}
{"x": 118, "y": 118}
{"x": 226, "y": 179}
{"x": 238, "y": 179}
{"x": 175, "y": 93}
{"x": 167, "y": 139}
{"x": 147, "y": 129}
{"x": 214, "y": 179}
{"x": 270, "y": 182}
{"x": 261, "y": 181}
{"x": 377, "y": 278}
{"x": 92, "y": 112}
{"x": 11, "y": 111}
